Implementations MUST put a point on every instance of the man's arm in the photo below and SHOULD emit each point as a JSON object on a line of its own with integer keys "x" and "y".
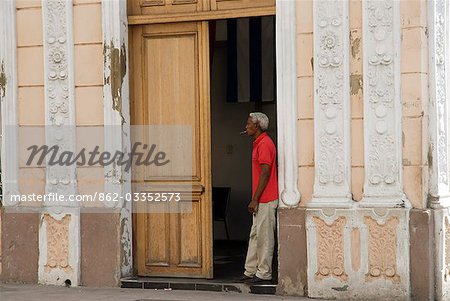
{"x": 262, "y": 183}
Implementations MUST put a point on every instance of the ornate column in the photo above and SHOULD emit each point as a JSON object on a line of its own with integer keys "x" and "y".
{"x": 59, "y": 231}
{"x": 383, "y": 185}
{"x": 8, "y": 98}
{"x": 286, "y": 39}
{"x": 116, "y": 106}
{"x": 439, "y": 31}
{"x": 344, "y": 238}
{"x": 332, "y": 186}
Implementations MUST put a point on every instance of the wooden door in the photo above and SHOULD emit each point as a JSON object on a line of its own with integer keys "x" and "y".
{"x": 169, "y": 78}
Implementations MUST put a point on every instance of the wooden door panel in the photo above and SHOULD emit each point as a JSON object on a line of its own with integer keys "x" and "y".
{"x": 170, "y": 87}
{"x": 161, "y": 7}
{"x": 190, "y": 231}
{"x": 180, "y": 67}
{"x": 241, "y": 4}
{"x": 152, "y": 2}
{"x": 157, "y": 240}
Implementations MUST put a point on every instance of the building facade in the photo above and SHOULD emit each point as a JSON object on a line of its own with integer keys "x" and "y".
{"x": 362, "y": 126}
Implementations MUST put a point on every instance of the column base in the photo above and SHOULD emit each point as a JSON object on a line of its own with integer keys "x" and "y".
{"x": 292, "y": 260}
{"x": 442, "y": 253}
{"x": 384, "y": 202}
{"x": 358, "y": 253}
{"x": 331, "y": 202}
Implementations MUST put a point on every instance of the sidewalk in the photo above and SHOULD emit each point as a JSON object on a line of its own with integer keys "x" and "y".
{"x": 15, "y": 292}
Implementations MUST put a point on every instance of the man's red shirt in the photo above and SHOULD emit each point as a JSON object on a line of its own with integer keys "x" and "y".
{"x": 264, "y": 152}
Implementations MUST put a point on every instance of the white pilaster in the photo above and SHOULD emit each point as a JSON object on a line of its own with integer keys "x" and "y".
{"x": 59, "y": 90}
{"x": 382, "y": 105}
{"x": 8, "y": 98}
{"x": 116, "y": 108}
{"x": 332, "y": 186}
{"x": 439, "y": 196}
{"x": 59, "y": 253}
{"x": 286, "y": 39}
{"x": 438, "y": 29}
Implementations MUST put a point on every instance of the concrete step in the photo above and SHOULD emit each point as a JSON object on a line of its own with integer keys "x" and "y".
{"x": 196, "y": 284}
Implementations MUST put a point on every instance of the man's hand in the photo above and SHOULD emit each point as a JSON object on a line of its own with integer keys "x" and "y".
{"x": 253, "y": 206}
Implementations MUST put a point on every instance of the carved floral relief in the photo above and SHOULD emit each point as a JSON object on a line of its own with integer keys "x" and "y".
{"x": 381, "y": 93}
{"x": 57, "y": 243}
{"x": 330, "y": 79}
{"x": 441, "y": 91}
{"x": 58, "y": 86}
{"x": 382, "y": 246}
{"x": 330, "y": 249}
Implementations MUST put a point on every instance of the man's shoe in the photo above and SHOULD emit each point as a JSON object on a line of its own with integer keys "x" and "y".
{"x": 255, "y": 280}
{"x": 244, "y": 278}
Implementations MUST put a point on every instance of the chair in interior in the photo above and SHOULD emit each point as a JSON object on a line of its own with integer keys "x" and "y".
{"x": 220, "y": 199}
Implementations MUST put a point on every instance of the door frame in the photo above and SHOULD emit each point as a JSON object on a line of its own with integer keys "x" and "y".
{"x": 117, "y": 111}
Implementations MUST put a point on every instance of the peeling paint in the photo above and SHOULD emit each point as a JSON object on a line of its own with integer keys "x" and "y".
{"x": 312, "y": 64}
{"x": 3, "y": 81}
{"x": 430, "y": 157}
{"x": 356, "y": 84}
{"x": 118, "y": 67}
{"x": 356, "y": 44}
{"x": 113, "y": 175}
{"x": 126, "y": 247}
{"x": 341, "y": 288}
{"x": 291, "y": 288}
{"x": 406, "y": 162}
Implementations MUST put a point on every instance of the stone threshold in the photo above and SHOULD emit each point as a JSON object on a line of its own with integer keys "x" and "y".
{"x": 196, "y": 284}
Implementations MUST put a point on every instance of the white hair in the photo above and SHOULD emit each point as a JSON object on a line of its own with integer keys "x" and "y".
{"x": 261, "y": 119}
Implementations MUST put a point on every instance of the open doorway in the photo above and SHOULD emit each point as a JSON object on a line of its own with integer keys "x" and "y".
{"x": 243, "y": 80}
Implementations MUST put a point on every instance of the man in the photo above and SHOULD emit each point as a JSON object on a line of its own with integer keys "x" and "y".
{"x": 258, "y": 264}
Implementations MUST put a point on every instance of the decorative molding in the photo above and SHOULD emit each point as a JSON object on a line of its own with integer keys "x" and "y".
{"x": 59, "y": 247}
{"x": 330, "y": 249}
{"x": 57, "y": 16}
{"x": 382, "y": 248}
{"x": 332, "y": 186}
{"x": 438, "y": 28}
{"x": 8, "y": 98}
{"x": 116, "y": 108}
{"x": 382, "y": 105}
{"x": 60, "y": 126}
{"x": 152, "y": 2}
{"x": 286, "y": 58}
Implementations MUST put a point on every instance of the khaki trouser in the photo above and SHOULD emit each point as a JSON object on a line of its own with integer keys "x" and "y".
{"x": 262, "y": 242}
